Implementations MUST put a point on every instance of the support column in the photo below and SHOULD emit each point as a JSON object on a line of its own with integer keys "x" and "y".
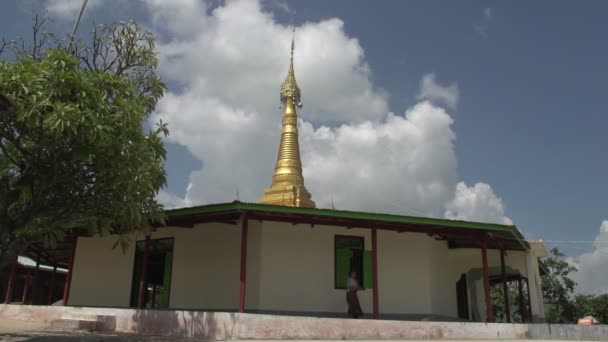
{"x": 11, "y": 282}
{"x": 522, "y": 312}
{"x": 49, "y": 300}
{"x": 243, "y": 275}
{"x": 26, "y": 285}
{"x": 486, "y": 279}
{"x": 68, "y": 278}
{"x": 143, "y": 279}
{"x": 35, "y": 281}
{"x": 505, "y": 288}
{"x": 529, "y": 311}
{"x": 375, "y": 273}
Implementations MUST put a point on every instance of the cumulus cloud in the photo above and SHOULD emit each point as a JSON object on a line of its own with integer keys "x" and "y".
{"x": 228, "y": 62}
{"x": 239, "y": 55}
{"x": 170, "y": 200}
{"x": 431, "y": 90}
{"x": 353, "y": 149}
{"x": 405, "y": 164}
{"x": 476, "y": 203}
{"x": 592, "y": 276}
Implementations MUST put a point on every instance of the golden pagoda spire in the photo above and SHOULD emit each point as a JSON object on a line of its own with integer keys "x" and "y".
{"x": 288, "y": 182}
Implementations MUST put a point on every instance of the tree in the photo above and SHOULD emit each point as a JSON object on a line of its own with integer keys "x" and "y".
{"x": 72, "y": 150}
{"x": 515, "y": 307}
{"x": 558, "y": 288}
{"x": 600, "y": 308}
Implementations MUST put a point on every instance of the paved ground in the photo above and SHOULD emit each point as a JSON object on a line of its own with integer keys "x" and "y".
{"x": 17, "y": 331}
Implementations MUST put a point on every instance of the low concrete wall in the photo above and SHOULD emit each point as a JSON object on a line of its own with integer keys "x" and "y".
{"x": 221, "y": 326}
{"x": 568, "y": 332}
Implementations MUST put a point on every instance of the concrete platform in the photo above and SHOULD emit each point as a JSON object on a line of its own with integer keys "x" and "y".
{"x": 221, "y": 326}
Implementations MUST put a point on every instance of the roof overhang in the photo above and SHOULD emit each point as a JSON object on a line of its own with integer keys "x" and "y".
{"x": 538, "y": 248}
{"x": 459, "y": 234}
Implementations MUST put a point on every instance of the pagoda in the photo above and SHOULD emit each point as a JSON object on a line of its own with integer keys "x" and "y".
{"x": 287, "y": 187}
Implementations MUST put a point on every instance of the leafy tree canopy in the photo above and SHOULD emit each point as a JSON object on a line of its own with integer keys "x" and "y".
{"x": 72, "y": 149}
{"x": 558, "y": 288}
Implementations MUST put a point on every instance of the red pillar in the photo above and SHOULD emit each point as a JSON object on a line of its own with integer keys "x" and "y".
{"x": 505, "y": 289}
{"x": 522, "y": 312}
{"x": 143, "y": 279}
{"x": 486, "y": 280}
{"x": 375, "y": 273}
{"x": 26, "y": 285}
{"x": 68, "y": 278}
{"x": 243, "y": 276}
{"x": 11, "y": 282}
{"x": 52, "y": 286}
{"x": 34, "y": 296}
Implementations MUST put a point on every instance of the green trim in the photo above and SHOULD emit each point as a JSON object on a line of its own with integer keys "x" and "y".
{"x": 344, "y": 214}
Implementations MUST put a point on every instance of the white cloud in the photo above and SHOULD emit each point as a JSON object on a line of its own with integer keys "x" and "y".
{"x": 68, "y": 9}
{"x": 401, "y": 165}
{"x": 476, "y": 203}
{"x": 229, "y": 61}
{"x": 487, "y": 13}
{"x": 239, "y": 55}
{"x": 279, "y": 5}
{"x": 592, "y": 276}
{"x": 228, "y": 115}
{"x": 431, "y": 90}
{"x": 171, "y": 201}
{"x": 482, "y": 27}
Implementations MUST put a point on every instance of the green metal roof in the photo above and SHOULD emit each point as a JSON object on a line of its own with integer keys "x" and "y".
{"x": 344, "y": 214}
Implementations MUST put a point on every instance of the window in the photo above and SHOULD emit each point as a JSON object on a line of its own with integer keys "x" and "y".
{"x": 160, "y": 264}
{"x": 350, "y": 255}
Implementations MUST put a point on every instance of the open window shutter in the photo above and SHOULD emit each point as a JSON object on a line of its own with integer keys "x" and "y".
{"x": 164, "y": 299}
{"x": 343, "y": 256}
{"x": 368, "y": 272}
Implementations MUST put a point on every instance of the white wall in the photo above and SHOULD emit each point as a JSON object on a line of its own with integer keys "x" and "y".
{"x": 404, "y": 273}
{"x": 101, "y": 275}
{"x": 296, "y": 269}
{"x": 205, "y": 272}
{"x": 206, "y": 268}
{"x": 290, "y": 268}
{"x": 443, "y": 281}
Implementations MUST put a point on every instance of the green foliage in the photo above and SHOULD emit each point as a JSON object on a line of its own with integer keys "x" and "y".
{"x": 73, "y": 153}
{"x": 515, "y": 307}
{"x": 558, "y": 288}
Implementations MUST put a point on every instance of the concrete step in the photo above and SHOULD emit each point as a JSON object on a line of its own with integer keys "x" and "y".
{"x": 74, "y": 325}
{"x": 85, "y": 322}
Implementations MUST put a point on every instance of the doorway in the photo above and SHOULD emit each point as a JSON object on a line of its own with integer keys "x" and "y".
{"x": 160, "y": 263}
{"x": 462, "y": 297}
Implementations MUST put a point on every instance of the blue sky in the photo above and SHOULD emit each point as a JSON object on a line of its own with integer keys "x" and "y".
{"x": 531, "y": 76}
{"x": 532, "y": 116}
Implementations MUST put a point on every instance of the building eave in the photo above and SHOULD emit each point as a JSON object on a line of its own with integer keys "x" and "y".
{"x": 504, "y": 236}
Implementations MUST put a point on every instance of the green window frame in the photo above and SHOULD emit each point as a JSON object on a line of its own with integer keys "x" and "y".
{"x": 350, "y": 255}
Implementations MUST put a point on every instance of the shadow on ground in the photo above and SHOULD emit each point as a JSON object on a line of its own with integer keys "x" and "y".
{"x": 183, "y": 324}
{"x": 73, "y": 337}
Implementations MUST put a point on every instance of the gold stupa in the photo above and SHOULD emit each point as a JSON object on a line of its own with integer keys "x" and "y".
{"x": 288, "y": 183}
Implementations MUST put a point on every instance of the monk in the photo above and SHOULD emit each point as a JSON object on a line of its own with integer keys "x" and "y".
{"x": 352, "y": 286}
